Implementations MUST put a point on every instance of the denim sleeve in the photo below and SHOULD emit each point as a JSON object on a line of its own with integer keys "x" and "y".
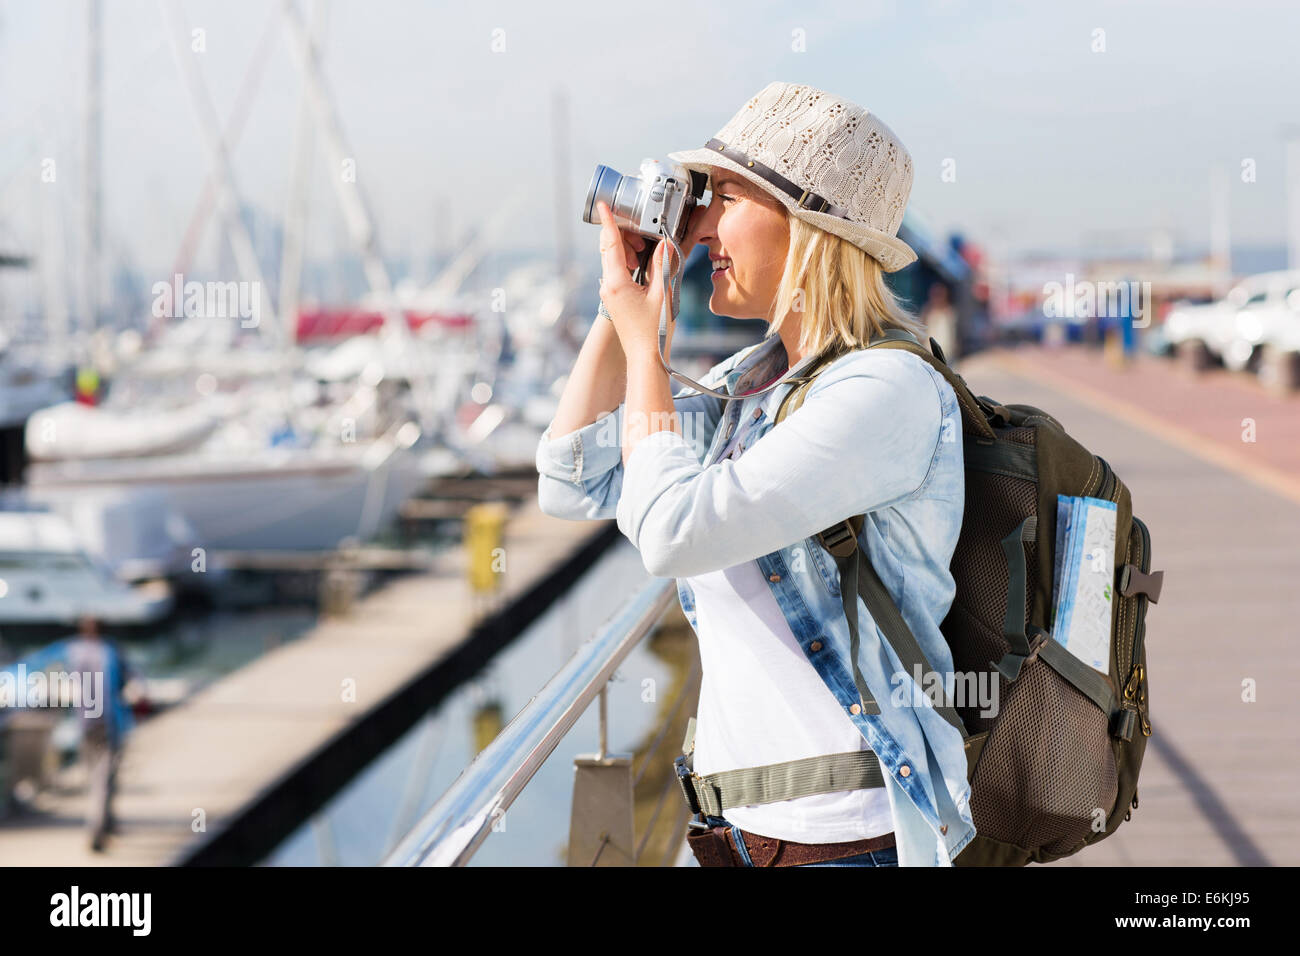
{"x": 580, "y": 475}
{"x": 865, "y": 438}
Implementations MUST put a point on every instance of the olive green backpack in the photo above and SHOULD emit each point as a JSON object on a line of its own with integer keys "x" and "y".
{"x": 1055, "y": 768}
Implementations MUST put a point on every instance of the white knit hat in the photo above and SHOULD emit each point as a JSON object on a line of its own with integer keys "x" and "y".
{"x": 829, "y": 162}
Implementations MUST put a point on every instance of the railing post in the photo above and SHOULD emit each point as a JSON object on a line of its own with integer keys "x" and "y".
{"x": 601, "y": 828}
{"x": 460, "y": 820}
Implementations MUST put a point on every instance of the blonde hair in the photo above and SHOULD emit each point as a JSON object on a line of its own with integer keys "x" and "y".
{"x": 838, "y": 289}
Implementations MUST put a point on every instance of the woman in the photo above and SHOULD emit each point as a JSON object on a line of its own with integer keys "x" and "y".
{"x": 713, "y": 494}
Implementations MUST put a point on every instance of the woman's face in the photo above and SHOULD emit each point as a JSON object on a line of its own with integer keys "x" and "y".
{"x": 747, "y": 226}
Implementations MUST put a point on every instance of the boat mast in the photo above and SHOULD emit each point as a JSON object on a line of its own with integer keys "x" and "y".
{"x": 227, "y": 195}
{"x": 295, "y": 214}
{"x": 1292, "y": 190}
{"x": 357, "y": 215}
{"x": 91, "y": 180}
{"x": 563, "y": 207}
{"x": 1220, "y": 230}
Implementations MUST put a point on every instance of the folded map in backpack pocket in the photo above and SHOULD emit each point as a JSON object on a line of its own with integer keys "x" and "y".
{"x": 1083, "y": 578}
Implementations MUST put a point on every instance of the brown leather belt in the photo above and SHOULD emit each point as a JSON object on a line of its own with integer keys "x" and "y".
{"x": 716, "y": 846}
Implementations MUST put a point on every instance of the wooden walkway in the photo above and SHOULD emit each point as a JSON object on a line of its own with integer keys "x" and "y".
{"x": 238, "y": 737}
{"x": 1224, "y": 514}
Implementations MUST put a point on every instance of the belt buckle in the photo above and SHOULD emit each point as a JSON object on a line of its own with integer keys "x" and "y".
{"x": 684, "y": 775}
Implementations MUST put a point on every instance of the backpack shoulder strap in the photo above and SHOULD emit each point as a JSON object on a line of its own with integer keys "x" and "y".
{"x": 841, "y": 541}
{"x": 794, "y": 398}
{"x": 975, "y": 411}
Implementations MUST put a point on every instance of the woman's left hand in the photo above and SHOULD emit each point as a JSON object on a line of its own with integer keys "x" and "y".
{"x": 634, "y": 308}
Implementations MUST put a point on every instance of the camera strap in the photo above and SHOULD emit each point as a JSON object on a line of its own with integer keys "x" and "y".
{"x": 668, "y": 312}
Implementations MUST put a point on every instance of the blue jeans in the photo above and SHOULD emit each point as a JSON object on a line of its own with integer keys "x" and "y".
{"x": 886, "y": 857}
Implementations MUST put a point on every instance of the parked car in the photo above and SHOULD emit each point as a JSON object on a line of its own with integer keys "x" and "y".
{"x": 1279, "y": 346}
{"x": 1232, "y": 330}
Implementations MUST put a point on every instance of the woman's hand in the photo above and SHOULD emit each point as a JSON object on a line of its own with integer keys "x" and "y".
{"x": 634, "y": 308}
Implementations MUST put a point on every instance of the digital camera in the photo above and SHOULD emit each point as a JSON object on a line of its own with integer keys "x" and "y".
{"x": 657, "y": 203}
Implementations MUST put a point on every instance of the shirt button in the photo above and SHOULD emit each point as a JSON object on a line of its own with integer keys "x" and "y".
{"x": 816, "y": 645}
{"x": 774, "y": 578}
{"x": 758, "y": 413}
{"x": 904, "y": 770}
{"x": 944, "y": 828}
{"x": 855, "y": 709}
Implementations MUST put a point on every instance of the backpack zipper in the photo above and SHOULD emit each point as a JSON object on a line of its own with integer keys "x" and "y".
{"x": 1106, "y": 485}
{"x": 1137, "y": 679}
{"x": 1140, "y": 634}
{"x": 1135, "y": 686}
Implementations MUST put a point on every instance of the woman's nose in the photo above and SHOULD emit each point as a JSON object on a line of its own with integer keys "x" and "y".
{"x": 700, "y": 228}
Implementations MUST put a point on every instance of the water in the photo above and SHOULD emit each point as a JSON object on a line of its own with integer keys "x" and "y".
{"x": 200, "y": 644}
{"x": 366, "y": 819}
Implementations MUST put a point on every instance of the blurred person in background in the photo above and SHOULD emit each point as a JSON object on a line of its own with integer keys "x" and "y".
{"x": 103, "y": 727}
{"x": 940, "y": 320}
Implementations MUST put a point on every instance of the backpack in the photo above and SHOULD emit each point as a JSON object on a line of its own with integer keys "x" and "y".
{"x": 1055, "y": 769}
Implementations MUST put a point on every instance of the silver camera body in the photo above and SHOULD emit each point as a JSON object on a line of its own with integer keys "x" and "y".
{"x": 658, "y": 202}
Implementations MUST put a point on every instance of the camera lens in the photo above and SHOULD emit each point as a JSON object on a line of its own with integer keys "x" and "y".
{"x": 624, "y": 195}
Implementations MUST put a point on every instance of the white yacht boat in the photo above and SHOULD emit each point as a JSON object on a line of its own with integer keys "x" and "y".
{"x": 70, "y": 430}
{"x": 266, "y": 498}
{"x": 48, "y": 578}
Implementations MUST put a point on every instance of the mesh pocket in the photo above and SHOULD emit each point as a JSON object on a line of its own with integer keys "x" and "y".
{"x": 973, "y": 627}
{"x": 978, "y": 564}
{"x": 1047, "y": 767}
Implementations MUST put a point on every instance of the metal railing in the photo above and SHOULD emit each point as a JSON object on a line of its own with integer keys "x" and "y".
{"x": 462, "y": 818}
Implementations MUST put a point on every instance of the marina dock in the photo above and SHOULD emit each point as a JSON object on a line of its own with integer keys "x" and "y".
{"x": 222, "y": 777}
{"x": 261, "y": 750}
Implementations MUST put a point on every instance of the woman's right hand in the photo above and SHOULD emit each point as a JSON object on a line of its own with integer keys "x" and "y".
{"x": 633, "y": 244}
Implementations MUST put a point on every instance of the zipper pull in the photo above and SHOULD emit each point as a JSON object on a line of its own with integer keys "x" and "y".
{"x": 1134, "y": 678}
{"x": 1142, "y": 704}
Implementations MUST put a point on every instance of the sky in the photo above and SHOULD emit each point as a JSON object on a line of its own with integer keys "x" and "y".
{"x": 1069, "y": 124}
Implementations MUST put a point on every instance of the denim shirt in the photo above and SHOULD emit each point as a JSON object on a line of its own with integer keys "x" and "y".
{"x": 879, "y": 432}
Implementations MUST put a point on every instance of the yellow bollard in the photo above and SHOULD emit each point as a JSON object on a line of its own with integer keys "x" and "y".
{"x": 484, "y": 531}
{"x": 1113, "y": 349}
{"x": 489, "y": 719}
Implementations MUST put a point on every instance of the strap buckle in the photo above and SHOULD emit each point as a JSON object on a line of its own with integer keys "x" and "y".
{"x": 1123, "y": 721}
{"x": 820, "y": 201}
{"x": 841, "y": 541}
{"x": 999, "y": 414}
{"x": 1036, "y": 643}
{"x": 1133, "y": 580}
{"x": 1011, "y": 663}
{"x": 685, "y": 777}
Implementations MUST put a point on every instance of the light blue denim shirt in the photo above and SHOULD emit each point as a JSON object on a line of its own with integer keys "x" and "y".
{"x": 879, "y": 433}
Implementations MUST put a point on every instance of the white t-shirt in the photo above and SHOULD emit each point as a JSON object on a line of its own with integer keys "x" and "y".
{"x": 762, "y": 702}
